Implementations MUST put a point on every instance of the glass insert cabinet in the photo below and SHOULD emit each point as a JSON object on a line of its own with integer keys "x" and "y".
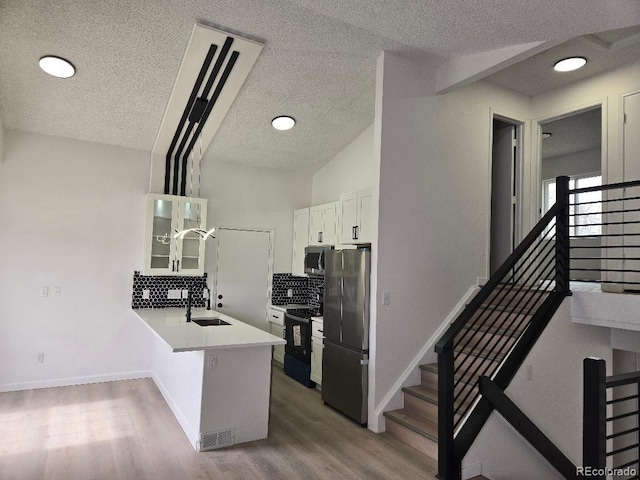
{"x": 166, "y": 253}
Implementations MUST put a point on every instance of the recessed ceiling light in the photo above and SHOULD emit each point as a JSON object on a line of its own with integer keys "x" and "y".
{"x": 546, "y": 134}
{"x": 283, "y": 122}
{"x": 58, "y": 67}
{"x": 570, "y": 64}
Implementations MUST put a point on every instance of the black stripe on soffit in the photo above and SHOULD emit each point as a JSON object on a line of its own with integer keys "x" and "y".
{"x": 192, "y": 97}
{"x": 205, "y": 115}
{"x": 205, "y": 92}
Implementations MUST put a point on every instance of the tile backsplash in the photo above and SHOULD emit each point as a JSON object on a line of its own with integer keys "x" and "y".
{"x": 159, "y": 286}
{"x": 306, "y": 290}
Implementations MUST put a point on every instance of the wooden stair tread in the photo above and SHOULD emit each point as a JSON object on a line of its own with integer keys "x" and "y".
{"x": 419, "y": 425}
{"x": 433, "y": 367}
{"x": 422, "y": 392}
{"x": 511, "y": 332}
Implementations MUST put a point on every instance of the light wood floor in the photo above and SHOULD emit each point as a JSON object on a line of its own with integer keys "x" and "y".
{"x": 125, "y": 430}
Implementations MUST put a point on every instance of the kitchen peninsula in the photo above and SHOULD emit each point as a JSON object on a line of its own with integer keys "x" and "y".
{"x": 215, "y": 379}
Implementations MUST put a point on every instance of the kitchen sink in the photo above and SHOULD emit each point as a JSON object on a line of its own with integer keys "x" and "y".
{"x": 209, "y": 322}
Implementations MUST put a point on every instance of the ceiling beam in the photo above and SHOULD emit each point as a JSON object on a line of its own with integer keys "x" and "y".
{"x": 460, "y": 71}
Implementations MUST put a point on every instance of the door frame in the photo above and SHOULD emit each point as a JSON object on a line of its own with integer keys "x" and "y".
{"x": 535, "y": 207}
{"x": 272, "y": 234}
{"x": 517, "y": 224}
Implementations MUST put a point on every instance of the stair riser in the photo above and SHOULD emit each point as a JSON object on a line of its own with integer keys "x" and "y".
{"x": 466, "y": 365}
{"x": 480, "y": 342}
{"x": 513, "y": 297}
{"x": 420, "y": 443}
{"x": 421, "y": 408}
{"x": 504, "y": 322}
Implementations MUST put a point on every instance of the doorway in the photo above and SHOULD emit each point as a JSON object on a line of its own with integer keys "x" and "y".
{"x": 505, "y": 162}
{"x": 244, "y": 264}
{"x": 571, "y": 146}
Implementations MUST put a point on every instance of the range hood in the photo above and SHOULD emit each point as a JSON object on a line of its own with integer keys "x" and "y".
{"x": 213, "y": 70}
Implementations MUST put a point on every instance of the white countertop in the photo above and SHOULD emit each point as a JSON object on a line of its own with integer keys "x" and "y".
{"x": 171, "y": 326}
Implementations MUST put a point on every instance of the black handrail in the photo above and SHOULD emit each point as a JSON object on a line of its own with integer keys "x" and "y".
{"x": 501, "y": 322}
{"x": 495, "y": 279}
{"x": 595, "y": 419}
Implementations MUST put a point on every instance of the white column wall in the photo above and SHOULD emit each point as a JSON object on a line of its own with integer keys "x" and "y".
{"x": 71, "y": 215}
{"x": 434, "y": 154}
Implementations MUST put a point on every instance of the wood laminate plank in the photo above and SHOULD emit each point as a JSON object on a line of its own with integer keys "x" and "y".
{"x": 124, "y": 430}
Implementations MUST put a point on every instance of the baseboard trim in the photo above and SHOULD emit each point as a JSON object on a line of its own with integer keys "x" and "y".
{"x": 68, "y": 382}
{"x": 377, "y": 423}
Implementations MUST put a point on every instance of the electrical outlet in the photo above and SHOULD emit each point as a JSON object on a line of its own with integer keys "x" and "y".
{"x": 385, "y": 298}
{"x": 57, "y": 291}
{"x": 40, "y": 357}
{"x": 44, "y": 291}
{"x": 528, "y": 373}
{"x": 290, "y": 293}
{"x": 145, "y": 294}
{"x": 174, "y": 294}
{"x": 213, "y": 361}
{"x": 185, "y": 293}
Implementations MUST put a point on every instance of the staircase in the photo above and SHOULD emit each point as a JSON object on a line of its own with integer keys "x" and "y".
{"x": 496, "y": 324}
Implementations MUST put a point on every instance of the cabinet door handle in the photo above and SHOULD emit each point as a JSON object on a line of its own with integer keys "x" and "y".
{"x": 357, "y": 232}
{"x": 177, "y": 265}
{"x": 319, "y": 237}
{"x": 275, "y": 316}
{"x": 320, "y": 331}
{"x": 353, "y": 233}
{"x": 220, "y": 297}
{"x": 219, "y": 305}
{"x": 173, "y": 265}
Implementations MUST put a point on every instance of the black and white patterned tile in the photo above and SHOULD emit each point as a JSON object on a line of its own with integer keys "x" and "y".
{"x": 159, "y": 287}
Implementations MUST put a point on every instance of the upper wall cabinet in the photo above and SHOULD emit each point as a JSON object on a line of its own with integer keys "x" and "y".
{"x": 354, "y": 217}
{"x": 300, "y": 240}
{"x": 166, "y": 254}
{"x": 323, "y": 224}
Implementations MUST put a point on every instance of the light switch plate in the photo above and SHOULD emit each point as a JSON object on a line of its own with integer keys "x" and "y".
{"x": 44, "y": 291}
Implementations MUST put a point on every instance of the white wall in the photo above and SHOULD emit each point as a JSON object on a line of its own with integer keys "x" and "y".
{"x": 552, "y": 400}
{"x": 433, "y": 205}
{"x": 241, "y": 196}
{"x": 71, "y": 215}
{"x": 608, "y": 89}
{"x": 349, "y": 171}
{"x": 588, "y": 161}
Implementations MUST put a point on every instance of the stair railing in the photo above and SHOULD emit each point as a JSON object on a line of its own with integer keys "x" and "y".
{"x": 495, "y": 332}
{"x": 610, "y": 405}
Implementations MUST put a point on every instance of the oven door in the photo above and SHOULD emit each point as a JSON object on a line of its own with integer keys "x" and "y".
{"x": 298, "y": 337}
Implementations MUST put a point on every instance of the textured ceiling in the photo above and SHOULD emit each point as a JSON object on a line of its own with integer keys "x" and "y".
{"x": 576, "y": 133}
{"x": 318, "y": 63}
{"x": 535, "y": 75}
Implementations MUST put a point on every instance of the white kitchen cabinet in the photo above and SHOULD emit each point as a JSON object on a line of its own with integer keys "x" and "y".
{"x": 300, "y": 240}
{"x": 164, "y": 253}
{"x": 354, "y": 217}
{"x": 276, "y": 327}
{"x": 323, "y": 224}
{"x": 316, "y": 350}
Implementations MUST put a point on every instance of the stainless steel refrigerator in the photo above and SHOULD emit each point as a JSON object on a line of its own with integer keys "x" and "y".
{"x": 345, "y": 356}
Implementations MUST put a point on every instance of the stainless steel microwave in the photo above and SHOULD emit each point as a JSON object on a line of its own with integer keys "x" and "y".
{"x": 314, "y": 259}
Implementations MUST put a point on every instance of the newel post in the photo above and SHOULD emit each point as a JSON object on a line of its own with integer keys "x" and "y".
{"x": 449, "y": 468}
{"x": 562, "y": 235}
{"x": 594, "y": 430}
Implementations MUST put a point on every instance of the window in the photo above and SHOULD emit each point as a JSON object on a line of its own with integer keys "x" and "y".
{"x": 585, "y": 209}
